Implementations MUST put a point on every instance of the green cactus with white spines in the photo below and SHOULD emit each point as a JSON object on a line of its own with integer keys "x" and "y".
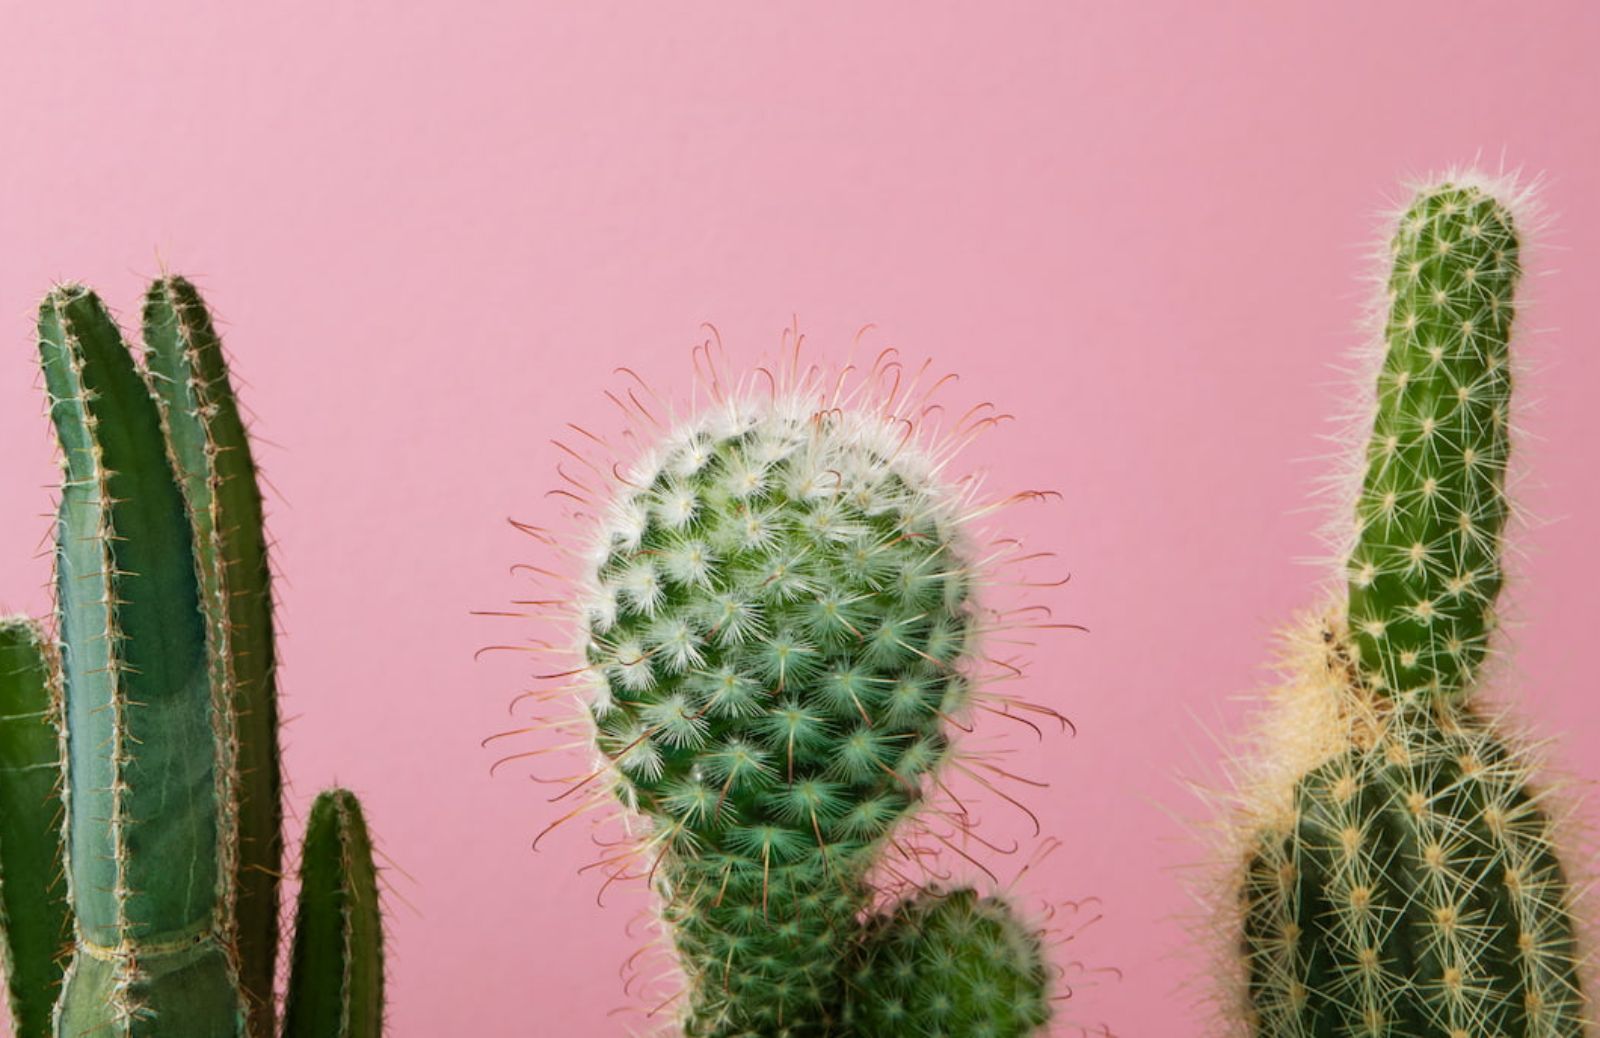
{"x": 167, "y": 716}
{"x": 779, "y": 625}
{"x": 1407, "y": 884}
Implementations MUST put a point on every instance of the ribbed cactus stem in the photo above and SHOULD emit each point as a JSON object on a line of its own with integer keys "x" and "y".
{"x": 146, "y": 789}
{"x": 1417, "y": 894}
{"x": 1425, "y": 570}
{"x": 187, "y": 370}
{"x": 336, "y": 986}
{"x": 34, "y": 927}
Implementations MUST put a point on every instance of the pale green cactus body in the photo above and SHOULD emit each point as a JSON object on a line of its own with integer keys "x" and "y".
{"x": 1409, "y": 884}
{"x": 779, "y": 625}
{"x": 169, "y": 720}
{"x": 138, "y": 702}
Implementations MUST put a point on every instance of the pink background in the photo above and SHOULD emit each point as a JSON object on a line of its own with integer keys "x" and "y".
{"x": 435, "y": 232}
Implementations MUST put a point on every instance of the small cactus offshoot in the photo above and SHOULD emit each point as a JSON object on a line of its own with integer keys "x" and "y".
{"x": 1401, "y": 875}
{"x": 139, "y": 748}
{"x": 950, "y": 966}
{"x": 779, "y": 623}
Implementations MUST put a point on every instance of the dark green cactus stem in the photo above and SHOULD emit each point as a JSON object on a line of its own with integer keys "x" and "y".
{"x": 336, "y": 986}
{"x": 1426, "y": 567}
{"x": 151, "y": 939}
{"x": 184, "y": 360}
{"x": 1412, "y": 889}
{"x": 33, "y": 904}
{"x": 953, "y": 965}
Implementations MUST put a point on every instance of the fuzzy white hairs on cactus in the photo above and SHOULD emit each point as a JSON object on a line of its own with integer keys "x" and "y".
{"x": 820, "y": 449}
{"x": 784, "y": 612}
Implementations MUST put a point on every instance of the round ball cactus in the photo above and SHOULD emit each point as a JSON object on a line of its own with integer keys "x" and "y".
{"x": 777, "y": 625}
{"x": 779, "y": 614}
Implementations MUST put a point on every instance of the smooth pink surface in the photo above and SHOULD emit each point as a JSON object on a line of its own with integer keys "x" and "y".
{"x": 434, "y": 231}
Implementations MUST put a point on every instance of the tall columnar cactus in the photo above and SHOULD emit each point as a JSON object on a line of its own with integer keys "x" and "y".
{"x": 778, "y": 626}
{"x": 167, "y": 710}
{"x": 1400, "y": 878}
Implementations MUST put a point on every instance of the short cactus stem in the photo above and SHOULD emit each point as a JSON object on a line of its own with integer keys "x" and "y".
{"x": 336, "y": 986}
{"x": 1407, "y": 881}
{"x": 34, "y": 923}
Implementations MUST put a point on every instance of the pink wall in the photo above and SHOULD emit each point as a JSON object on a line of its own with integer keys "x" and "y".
{"x": 434, "y": 234}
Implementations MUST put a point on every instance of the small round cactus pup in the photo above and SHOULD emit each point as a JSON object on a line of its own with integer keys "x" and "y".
{"x": 944, "y": 965}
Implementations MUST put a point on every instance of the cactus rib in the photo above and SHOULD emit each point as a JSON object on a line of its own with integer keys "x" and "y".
{"x": 127, "y": 592}
{"x": 211, "y": 451}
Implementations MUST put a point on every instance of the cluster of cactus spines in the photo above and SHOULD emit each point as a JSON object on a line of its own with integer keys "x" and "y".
{"x": 168, "y": 717}
{"x": 1406, "y": 883}
{"x": 778, "y": 625}
{"x": 33, "y": 904}
{"x": 956, "y": 965}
